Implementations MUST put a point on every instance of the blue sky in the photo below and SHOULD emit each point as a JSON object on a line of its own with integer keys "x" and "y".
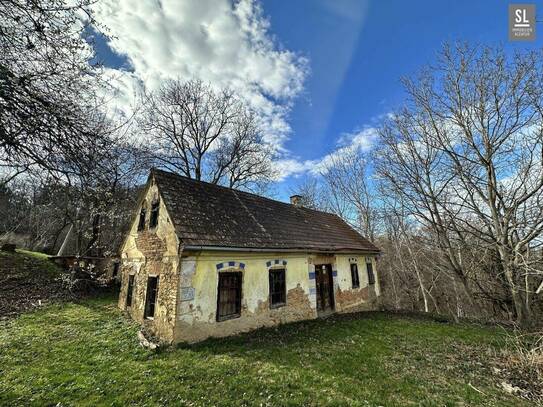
{"x": 383, "y": 41}
{"x": 355, "y": 53}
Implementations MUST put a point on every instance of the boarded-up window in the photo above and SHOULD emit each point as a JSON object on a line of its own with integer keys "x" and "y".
{"x": 229, "y": 300}
{"x": 150, "y": 298}
{"x": 371, "y": 276}
{"x": 130, "y": 290}
{"x": 278, "y": 288}
{"x": 354, "y": 275}
{"x": 153, "y": 220}
{"x": 141, "y": 223}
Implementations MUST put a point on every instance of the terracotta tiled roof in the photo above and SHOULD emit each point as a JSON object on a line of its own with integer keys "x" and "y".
{"x": 210, "y": 215}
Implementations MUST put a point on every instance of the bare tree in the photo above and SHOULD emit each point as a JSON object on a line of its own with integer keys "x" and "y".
{"x": 466, "y": 155}
{"x": 205, "y": 134}
{"x": 312, "y": 193}
{"x": 49, "y": 112}
{"x": 93, "y": 207}
{"x": 350, "y": 191}
{"x": 100, "y": 202}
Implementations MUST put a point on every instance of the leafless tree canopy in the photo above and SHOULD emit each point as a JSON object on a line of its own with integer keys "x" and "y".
{"x": 205, "y": 134}
{"x": 93, "y": 208}
{"x": 62, "y": 163}
{"x": 453, "y": 194}
{"x": 465, "y": 156}
{"x": 344, "y": 187}
{"x": 349, "y": 186}
{"x": 48, "y": 115}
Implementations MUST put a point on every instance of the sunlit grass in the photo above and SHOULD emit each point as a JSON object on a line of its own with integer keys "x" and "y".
{"x": 37, "y": 255}
{"x": 88, "y": 354}
{"x": 27, "y": 262}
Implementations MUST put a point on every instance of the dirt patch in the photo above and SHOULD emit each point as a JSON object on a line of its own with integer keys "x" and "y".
{"x": 519, "y": 366}
{"x": 31, "y": 280}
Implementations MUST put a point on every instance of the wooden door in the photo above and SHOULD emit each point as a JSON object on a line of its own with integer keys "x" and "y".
{"x": 325, "y": 287}
{"x": 229, "y": 295}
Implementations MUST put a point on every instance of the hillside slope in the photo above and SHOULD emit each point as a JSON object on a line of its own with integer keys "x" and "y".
{"x": 28, "y": 280}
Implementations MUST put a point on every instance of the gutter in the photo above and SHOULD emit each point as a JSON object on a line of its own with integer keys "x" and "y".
{"x": 275, "y": 250}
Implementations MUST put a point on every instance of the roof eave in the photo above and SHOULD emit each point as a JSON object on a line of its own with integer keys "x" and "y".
{"x": 279, "y": 249}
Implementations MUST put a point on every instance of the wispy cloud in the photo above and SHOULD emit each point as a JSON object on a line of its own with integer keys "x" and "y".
{"x": 360, "y": 140}
{"x": 225, "y": 43}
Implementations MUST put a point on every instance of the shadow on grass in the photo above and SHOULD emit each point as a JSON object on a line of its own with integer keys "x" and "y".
{"x": 370, "y": 358}
{"x": 387, "y": 353}
{"x": 341, "y": 344}
{"x": 375, "y": 325}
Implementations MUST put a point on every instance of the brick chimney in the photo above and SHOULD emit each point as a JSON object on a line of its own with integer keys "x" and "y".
{"x": 296, "y": 200}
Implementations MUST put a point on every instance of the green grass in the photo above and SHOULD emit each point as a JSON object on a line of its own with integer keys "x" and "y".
{"x": 26, "y": 261}
{"x": 37, "y": 255}
{"x": 87, "y": 354}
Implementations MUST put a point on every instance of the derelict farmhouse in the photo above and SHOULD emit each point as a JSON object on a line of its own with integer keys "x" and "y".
{"x": 202, "y": 260}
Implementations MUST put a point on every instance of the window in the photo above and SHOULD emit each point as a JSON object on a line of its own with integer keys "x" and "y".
{"x": 153, "y": 221}
{"x": 150, "y": 299}
{"x": 278, "y": 288}
{"x": 229, "y": 299}
{"x": 115, "y": 270}
{"x": 130, "y": 290}
{"x": 371, "y": 276}
{"x": 141, "y": 223}
{"x": 354, "y": 275}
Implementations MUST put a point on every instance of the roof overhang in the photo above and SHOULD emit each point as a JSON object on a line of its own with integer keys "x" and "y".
{"x": 279, "y": 249}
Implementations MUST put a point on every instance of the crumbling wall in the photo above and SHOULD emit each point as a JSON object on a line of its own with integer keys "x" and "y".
{"x": 198, "y": 292}
{"x": 152, "y": 252}
{"x": 349, "y": 299}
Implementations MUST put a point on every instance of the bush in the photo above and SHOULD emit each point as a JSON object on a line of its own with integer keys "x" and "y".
{"x": 523, "y": 364}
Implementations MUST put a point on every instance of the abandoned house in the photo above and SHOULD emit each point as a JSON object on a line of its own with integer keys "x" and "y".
{"x": 203, "y": 260}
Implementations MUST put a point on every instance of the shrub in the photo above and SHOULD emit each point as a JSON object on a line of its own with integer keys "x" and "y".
{"x": 523, "y": 364}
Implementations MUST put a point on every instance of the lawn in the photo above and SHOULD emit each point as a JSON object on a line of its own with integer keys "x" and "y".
{"x": 87, "y": 354}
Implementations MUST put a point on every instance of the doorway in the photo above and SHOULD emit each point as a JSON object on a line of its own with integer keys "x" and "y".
{"x": 325, "y": 288}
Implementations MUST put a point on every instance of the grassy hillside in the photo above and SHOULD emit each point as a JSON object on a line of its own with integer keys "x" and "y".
{"x": 88, "y": 354}
{"x": 28, "y": 279}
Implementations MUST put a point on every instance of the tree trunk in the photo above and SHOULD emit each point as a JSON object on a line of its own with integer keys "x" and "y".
{"x": 522, "y": 313}
{"x": 95, "y": 233}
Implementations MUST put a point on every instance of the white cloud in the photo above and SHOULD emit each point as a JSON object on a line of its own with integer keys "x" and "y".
{"x": 291, "y": 167}
{"x": 361, "y": 140}
{"x": 226, "y": 44}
